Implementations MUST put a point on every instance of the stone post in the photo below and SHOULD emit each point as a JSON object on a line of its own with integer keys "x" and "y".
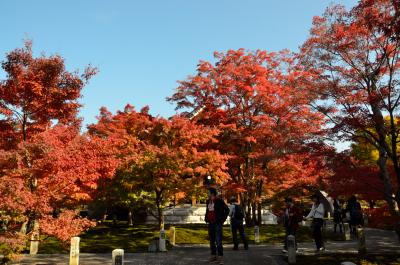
{"x": 362, "y": 248}
{"x": 74, "y": 251}
{"x": 118, "y": 256}
{"x": 291, "y": 245}
{"x": 161, "y": 242}
{"x": 34, "y": 247}
{"x": 346, "y": 228}
{"x": 256, "y": 234}
{"x": 172, "y": 235}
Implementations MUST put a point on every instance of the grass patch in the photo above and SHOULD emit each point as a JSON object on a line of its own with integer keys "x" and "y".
{"x": 105, "y": 237}
{"x": 198, "y": 234}
{"x": 337, "y": 259}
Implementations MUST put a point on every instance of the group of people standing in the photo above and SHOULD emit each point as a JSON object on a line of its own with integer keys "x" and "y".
{"x": 293, "y": 216}
{"x": 217, "y": 212}
{"x": 352, "y": 214}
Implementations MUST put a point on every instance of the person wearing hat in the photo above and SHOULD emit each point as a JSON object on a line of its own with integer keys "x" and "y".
{"x": 216, "y": 213}
{"x": 317, "y": 214}
{"x": 291, "y": 218}
{"x": 236, "y": 215}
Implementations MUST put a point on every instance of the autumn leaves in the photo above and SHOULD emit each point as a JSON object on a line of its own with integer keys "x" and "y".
{"x": 259, "y": 125}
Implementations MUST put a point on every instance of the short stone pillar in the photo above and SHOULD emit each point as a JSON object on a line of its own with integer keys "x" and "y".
{"x": 256, "y": 234}
{"x": 291, "y": 248}
{"x": 118, "y": 256}
{"x": 346, "y": 228}
{"x": 172, "y": 235}
{"x": 347, "y": 263}
{"x": 161, "y": 242}
{"x": 74, "y": 251}
{"x": 34, "y": 246}
{"x": 362, "y": 247}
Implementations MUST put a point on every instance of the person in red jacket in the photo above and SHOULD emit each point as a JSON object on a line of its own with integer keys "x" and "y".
{"x": 291, "y": 218}
{"x": 216, "y": 213}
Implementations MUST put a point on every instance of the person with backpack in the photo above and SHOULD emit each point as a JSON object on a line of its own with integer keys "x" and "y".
{"x": 236, "y": 215}
{"x": 216, "y": 214}
{"x": 317, "y": 214}
{"x": 292, "y": 215}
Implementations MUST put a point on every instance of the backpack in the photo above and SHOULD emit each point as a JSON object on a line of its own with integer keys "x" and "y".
{"x": 355, "y": 211}
{"x": 238, "y": 215}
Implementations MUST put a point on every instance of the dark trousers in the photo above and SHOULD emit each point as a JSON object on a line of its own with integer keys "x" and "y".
{"x": 317, "y": 232}
{"x": 238, "y": 226}
{"x": 290, "y": 231}
{"x": 340, "y": 227}
{"x": 215, "y": 235}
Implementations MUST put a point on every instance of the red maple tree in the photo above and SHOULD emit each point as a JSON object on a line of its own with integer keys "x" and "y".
{"x": 355, "y": 55}
{"x": 258, "y": 101}
{"x": 161, "y": 156}
{"x": 47, "y": 167}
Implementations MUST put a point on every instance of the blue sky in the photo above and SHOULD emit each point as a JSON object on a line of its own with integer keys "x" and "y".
{"x": 143, "y": 47}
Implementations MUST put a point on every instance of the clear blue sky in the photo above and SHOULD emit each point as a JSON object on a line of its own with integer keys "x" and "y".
{"x": 143, "y": 47}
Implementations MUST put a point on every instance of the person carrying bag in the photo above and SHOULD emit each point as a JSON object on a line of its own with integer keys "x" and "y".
{"x": 317, "y": 214}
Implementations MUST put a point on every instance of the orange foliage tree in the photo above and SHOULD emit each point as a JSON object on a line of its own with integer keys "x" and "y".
{"x": 47, "y": 168}
{"x": 161, "y": 156}
{"x": 258, "y": 102}
{"x": 355, "y": 56}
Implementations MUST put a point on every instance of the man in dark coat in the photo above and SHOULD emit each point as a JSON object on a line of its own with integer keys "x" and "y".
{"x": 291, "y": 218}
{"x": 216, "y": 213}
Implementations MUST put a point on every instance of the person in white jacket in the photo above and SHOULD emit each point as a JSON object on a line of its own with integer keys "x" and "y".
{"x": 317, "y": 214}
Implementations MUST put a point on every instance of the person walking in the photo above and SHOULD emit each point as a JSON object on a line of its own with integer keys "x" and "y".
{"x": 337, "y": 215}
{"x": 291, "y": 218}
{"x": 317, "y": 214}
{"x": 216, "y": 213}
{"x": 354, "y": 211}
{"x": 236, "y": 215}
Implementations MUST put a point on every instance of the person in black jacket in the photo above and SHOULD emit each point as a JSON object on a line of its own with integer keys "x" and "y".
{"x": 236, "y": 214}
{"x": 216, "y": 213}
{"x": 356, "y": 216}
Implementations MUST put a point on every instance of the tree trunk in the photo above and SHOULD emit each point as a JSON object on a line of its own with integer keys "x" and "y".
{"x": 259, "y": 207}
{"x": 104, "y": 218}
{"x": 254, "y": 214}
{"x": 383, "y": 149}
{"x": 160, "y": 216}
{"x": 387, "y": 184}
{"x": 259, "y": 214}
{"x": 248, "y": 213}
{"x": 130, "y": 218}
{"x": 371, "y": 204}
{"x": 394, "y": 155}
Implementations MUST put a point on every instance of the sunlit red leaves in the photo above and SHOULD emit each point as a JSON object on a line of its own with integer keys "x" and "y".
{"x": 260, "y": 102}
{"x": 66, "y": 225}
{"x": 36, "y": 93}
{"x": 66, "y": 167}
{"x": 161, "y": 154}
{"x": 355, "y": 55}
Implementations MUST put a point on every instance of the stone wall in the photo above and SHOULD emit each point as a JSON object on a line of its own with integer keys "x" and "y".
{"x": 188, "y": 214}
